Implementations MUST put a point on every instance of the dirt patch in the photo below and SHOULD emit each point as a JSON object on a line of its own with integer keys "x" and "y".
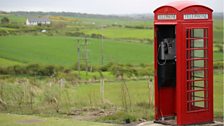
{"x": 30, "y": 121}
{"x": 219, "y": 119}
{"x": 91, "y": 113}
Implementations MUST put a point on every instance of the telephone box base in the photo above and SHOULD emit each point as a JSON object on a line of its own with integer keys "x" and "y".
{"x": 151, "y": 123}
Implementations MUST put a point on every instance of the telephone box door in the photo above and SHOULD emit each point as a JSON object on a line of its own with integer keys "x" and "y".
{"x": 198, "y": 72}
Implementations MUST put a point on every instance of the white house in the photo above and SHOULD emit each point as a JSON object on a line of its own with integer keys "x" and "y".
{"x": 37, "y": 21}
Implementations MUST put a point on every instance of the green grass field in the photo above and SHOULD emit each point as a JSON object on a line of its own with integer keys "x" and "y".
{"x": 27, "y": 120}
{"x": 5, "y": 62}
{"x": 7, "y": 29}
{"x": 63, "y": 50}
{"x": 14, "y": 18}
{"x": 218, "y": 94}
{"x": 122, "y": 33}
{"x": 110, "y": 21}
{"x": 218, "y": 31}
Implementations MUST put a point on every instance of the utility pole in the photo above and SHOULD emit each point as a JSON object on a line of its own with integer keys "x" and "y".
{"x": 101, "y": 72}
{"x": 101, "y": 50}
{"x": 78, "y": 53}
{"x": 102, "y": 87}
{"x": 86, "y": 55}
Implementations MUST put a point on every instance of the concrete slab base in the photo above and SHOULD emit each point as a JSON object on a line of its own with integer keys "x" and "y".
{"x": 151, "y": 123}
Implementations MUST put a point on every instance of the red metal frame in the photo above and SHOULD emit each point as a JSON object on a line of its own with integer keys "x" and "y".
{"x": 191, "y": 100}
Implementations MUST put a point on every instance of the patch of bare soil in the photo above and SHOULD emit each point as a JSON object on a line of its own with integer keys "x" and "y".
{"x": 91, "y": 113}
{"x": 219, "y": 119}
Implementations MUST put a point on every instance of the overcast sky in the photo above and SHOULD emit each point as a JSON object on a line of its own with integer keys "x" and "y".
{"x": 96, "y": 6}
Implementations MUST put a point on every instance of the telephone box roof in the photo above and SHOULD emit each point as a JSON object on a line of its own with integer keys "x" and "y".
{"x": 181, "y": 5}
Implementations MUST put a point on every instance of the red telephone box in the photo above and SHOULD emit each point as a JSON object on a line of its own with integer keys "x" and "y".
{"x": 183, "y": 63}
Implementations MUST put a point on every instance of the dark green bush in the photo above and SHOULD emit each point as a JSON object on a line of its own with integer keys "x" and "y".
{"x": 218, "y": 65}
{"x": 5, "y": 20}
{"x": 95, "y": 68}
{"x": 3, "y": 70}
{"x": 11, "y": 25}
{"x": 4, "y": 33}
{"x": 94, "y": 35}
{"x": 32, "y": 69}
{"x": 117, "y": 69}
{"x": 220, "y": 48}
{"x": 47, "y": 71}
{"x": 77, "y": 34}
{"x": 106, "y": 67}
{"x": 135, "y": 27}
{"x": 119, "y": 117}
{"x": 19, "y": 69}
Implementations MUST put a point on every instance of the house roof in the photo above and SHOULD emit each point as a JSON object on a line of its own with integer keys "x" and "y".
{"x": 181, "y": 5}
{"x": 38, "y": 19}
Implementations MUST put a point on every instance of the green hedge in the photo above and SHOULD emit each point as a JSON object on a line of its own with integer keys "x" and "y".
{"x": 51, "y": 70}
{"x": 33, "y": 70}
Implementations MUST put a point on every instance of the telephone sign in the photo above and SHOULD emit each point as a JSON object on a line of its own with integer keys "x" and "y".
{"x": 167, "y": 17}
{"x": 195, "y": 16}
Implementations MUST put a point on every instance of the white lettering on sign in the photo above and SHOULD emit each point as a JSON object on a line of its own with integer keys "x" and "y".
{"x": 167, "y": 17}
{"x": 195, "y": 16}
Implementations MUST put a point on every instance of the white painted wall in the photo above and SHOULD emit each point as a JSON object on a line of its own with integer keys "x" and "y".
{"x": 35, "y": 23}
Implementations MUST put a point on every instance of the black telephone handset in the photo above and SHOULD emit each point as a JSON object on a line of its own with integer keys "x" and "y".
{"x": 167, "y": 49}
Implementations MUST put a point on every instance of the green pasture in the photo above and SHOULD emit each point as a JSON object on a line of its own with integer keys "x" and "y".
{"x": 6, "y": 62}
{"x": 61, "y": 50}
{"x": 122, "y": 33}
{"x": 14, "y": 19}
{"x": 7, "y": 29}
{"x": 218, "y": 31}
{"x": 116, "y": 21}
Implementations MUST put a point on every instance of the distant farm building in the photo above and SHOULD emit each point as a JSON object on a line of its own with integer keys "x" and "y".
{"x": 37, "y": 21}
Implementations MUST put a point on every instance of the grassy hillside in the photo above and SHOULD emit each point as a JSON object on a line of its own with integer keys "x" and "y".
{"x": 63, "y": 50}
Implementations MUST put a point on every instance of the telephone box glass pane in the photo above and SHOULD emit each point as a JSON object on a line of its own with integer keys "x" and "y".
{"x": 198, "y": 43}
{"x": 197, "y": 33}
{"x": 199, "y": 63}
{"x": 196, "y": 54}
